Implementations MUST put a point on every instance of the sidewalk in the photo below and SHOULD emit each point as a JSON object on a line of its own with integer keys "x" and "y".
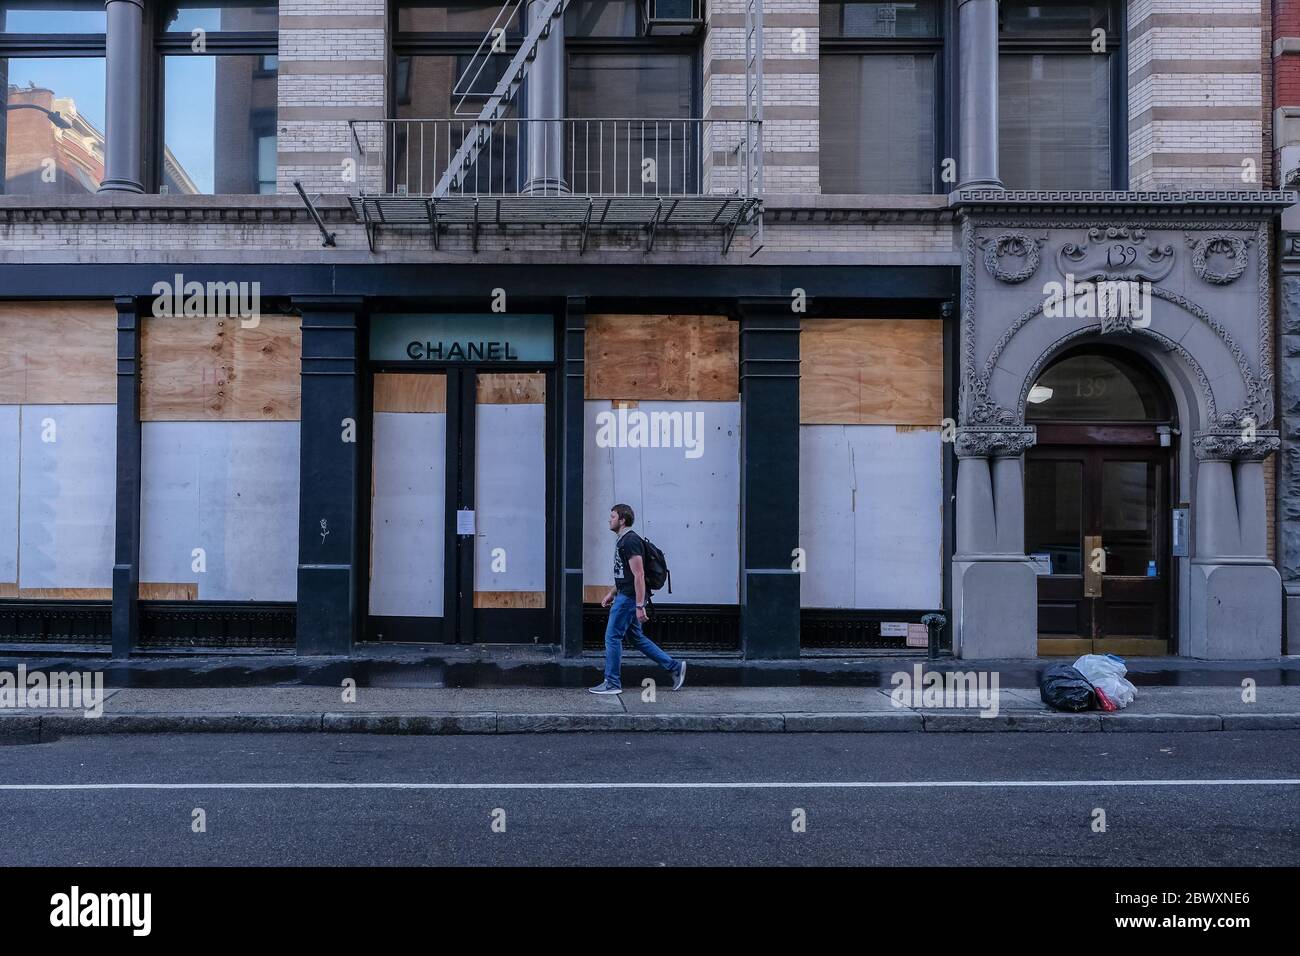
{"x": 425, "y": 710}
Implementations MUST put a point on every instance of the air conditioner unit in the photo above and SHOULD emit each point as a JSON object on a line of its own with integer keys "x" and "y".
{"x": 673, "y": 17}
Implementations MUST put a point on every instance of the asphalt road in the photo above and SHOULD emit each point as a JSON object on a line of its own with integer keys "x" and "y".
{"x": 868, "y": 800}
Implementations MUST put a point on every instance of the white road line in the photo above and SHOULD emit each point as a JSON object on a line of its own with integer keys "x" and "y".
{"x": 659, "y": 785}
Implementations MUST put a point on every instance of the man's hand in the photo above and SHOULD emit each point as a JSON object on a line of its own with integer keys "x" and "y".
{"x": 607, "y": 600}
{"x": 642, "y": 615}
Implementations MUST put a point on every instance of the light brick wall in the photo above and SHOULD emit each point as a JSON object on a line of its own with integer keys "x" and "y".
{"x": 333, "y": 56}
{"x": 1197, "y": 97}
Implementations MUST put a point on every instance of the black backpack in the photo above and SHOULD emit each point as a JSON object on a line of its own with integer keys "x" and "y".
{"x": 656, "y": 567}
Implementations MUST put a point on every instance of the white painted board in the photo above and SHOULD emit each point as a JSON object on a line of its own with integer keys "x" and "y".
{"x": 688, "y": 506}
{"x": 9, "y": 415}
{"x": 68, "y": 498}
{"x": 870, "y": 516}
{"x": 510, "y": 497}
{"x": 231, "y": 489}
{"x": 408, "y": 511}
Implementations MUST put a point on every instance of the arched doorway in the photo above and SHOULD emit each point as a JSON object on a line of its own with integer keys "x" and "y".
{"x": 1099, "y": 484}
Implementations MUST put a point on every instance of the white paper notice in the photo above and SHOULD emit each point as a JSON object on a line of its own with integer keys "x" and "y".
{"x": 464, "y": 522}
{"x": 893, "y": 629}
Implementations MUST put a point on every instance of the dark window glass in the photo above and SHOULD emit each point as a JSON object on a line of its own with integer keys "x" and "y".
{"x": 602, "y": 18}
{"x": 1096, "y": 388}
{"x": 877, "y": 123}
{"x": 452, "y": 16}
{"x": 51, "y": 124}
{"x": 610, "y": 157}
{"x": 425, "y": 87}
{"x": 35, "y": 16}
{"x": 220, "y": 16}
{"x": 917, "y": 19}
{"x": 218, "y": 114}
{"x": 1054, "y": 513}
{"x": 1128, "y": 516}
{"x": 1054, "y": 121}
{"x": 1064, "y": 19}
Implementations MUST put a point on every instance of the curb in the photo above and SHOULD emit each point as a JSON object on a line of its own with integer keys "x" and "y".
{"x": 34, "y": 728}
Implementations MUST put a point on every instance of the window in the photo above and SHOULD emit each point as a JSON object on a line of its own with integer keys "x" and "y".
{"x": 436, "y": 76}
{"x": 614, "y": 71}
{"x": 51, "y": 97}
{"x": 881, "y": 75}
{"x": 618, "y": 72}
{"x": 1060, "y": 104}
{"x": 219, "y": 87}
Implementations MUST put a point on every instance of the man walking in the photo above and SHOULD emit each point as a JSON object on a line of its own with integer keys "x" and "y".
{"x": 626, "y": 601}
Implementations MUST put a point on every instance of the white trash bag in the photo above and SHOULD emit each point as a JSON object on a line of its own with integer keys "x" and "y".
{"x": 1106, "y": 671}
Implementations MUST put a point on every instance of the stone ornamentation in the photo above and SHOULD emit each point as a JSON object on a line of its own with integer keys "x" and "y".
{"x": 995, "y": 441}
{"x": 1218, "y": 247}
{"x": 1015, "y": 246}
{"x": 1116, "y": 254}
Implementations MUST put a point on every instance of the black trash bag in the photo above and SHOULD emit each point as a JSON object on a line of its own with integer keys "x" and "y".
{"x": 1062, "y": 687}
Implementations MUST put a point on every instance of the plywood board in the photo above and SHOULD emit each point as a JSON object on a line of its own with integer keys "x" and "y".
{"x": 510, "y": 599}
{"x": 510, "y": 498}
{"x": 199, "y": 369}
{"x": 230, "y": 489}
{"x": 407, "y": 514}
{"x": 689, "y": 507}
{"x": 870, "y": 519}
{"x": 58, "y": 353}
{"x": 9, "y": 445}
{"x": 871, "y": 371}
{"x": 595, "y": 593}
{"x": 66, "y": 508}
{"x": 151, "y": 591}
{"x": 65, "y": 594}
{"x": 511, "y": 388}
{"x": 663, "y": 358}
{"x": 410, "y": 392}
{"x": 9, "y": 590}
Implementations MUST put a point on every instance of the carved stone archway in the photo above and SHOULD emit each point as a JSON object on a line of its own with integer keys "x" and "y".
{"x": 1203, "y": 284}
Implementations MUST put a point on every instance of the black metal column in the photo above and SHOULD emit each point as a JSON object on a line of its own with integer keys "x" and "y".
{"x": 769, "y": 485}
{"x": 572, "y": 418}
{"x": 328, "y": 576}
{"x": 126, "y": 546}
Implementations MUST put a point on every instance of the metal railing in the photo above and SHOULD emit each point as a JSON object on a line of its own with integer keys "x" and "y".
{"x": 598, "y": 157}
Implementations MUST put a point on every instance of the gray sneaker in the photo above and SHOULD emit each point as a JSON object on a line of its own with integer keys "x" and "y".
{"x": 605, "y": 687}
{"x": 680, "y": 677}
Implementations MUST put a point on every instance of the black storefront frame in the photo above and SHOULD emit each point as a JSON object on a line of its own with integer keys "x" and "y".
{"x": 351, "y": 291}
{"x": 460, "y": 621}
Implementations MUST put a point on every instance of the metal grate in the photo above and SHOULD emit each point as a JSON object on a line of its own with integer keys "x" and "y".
{"x": 177, "y": 625}
{"x": 846, "y": 628}
{"x": 56, "y": 622}
{"x": 699, "y": 628}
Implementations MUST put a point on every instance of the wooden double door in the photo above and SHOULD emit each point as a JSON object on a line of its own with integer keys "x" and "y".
{"x": 1097, "y": 517}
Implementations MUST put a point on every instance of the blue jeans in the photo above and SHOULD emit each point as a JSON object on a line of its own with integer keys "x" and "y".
{"x": 622, "y": 620}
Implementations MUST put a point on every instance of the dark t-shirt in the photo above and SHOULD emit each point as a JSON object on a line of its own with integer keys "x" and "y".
{"x": 625, "y": 547}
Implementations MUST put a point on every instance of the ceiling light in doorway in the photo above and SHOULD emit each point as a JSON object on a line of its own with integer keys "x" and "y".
{"x": 1039, "y": 394}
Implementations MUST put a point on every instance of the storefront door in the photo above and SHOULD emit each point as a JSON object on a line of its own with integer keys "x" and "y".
{"x": 1098, "y": 508}
{"x": 462, "y": 483}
